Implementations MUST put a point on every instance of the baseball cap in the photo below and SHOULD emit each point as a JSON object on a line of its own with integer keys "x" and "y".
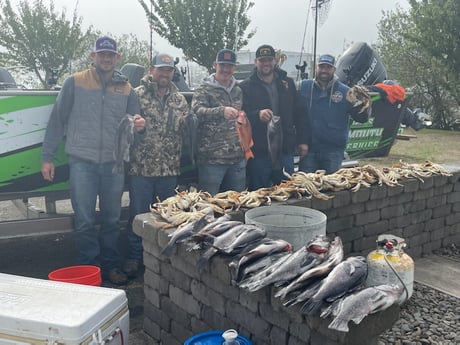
{"x": 265, "y": 51}
{"x": 326, "y": 59}
{"x": 105, "y": 44}
{"x": 163, "y": 60}
{"x": 226, "y": 56}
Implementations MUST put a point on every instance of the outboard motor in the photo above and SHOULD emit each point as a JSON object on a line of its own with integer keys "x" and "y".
{"x": 360, "y": 65}
{"x": 134, "y": 73}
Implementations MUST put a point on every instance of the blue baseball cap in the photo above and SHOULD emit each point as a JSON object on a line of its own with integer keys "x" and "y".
{"x": 326, "y": 59}
{"x": 226, "y": 56}
{"x": 105, "y": 44}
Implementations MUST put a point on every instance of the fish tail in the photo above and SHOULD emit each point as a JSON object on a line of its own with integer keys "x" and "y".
{"x": 311, "y": 307}
{"x": 291, "y": 302}
{"x": 168, "y": 250}
{"x": 339, "y": 325}
{"x": 202, "y": 262}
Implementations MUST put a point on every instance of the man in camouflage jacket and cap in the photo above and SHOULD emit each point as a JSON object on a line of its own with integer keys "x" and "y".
{"x": 216, "y": 103}
{"x": 155, "y": 159}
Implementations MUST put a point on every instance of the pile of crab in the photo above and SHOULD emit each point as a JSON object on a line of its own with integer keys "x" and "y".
{"x": 187, "y": 206}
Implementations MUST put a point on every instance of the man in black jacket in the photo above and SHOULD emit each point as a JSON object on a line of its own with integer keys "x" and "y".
{"x": 269, "y": 100}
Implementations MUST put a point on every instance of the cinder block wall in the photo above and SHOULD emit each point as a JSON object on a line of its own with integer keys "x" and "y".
{"x": 179, "y": 302}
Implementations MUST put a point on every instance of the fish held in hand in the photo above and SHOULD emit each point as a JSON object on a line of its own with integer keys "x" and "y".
{"x": 275, "y": 141}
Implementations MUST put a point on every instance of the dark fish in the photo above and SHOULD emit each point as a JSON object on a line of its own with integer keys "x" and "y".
{"x": 208, "y": 233}
{"x": 124, "y": 138}
{"x": 257, "y": 266}
{"x": 333, "y": 258}
{"x": 184, "y": 232}
{"x": 344, "y": 277}
{"x": 357, "y": 306}
{"x": 220, "y": 242}
{"x": 264, "y": 248}
{"x": 299, "y": 262}
{"x": 275, "y": 141}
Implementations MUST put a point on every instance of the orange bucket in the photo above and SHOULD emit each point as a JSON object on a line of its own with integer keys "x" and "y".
{"x": 84, "y": 274}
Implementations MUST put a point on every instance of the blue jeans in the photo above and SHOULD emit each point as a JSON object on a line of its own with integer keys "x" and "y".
{"x": 214, "y": 178}
{"x": 143, "y": 191}
{"x": 87, "y": 182}
{"x": 262, "y": 175}
{"x": 329, "y": 161}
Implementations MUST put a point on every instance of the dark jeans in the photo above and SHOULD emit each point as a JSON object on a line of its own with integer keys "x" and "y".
{"x": 87, "y": 182}
{"x": 329, "y": 161}
{"x": 261, "y": 173}
{"x": 214, "y": 178}
{"x": 142, "y": 192}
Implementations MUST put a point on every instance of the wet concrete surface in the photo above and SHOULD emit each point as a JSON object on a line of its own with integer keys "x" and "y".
{"x": 37, "y": 256}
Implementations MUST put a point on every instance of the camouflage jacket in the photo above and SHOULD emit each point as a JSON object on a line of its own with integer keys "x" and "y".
{"x": 158, "y": 151}
{"x": 217, "y": 137}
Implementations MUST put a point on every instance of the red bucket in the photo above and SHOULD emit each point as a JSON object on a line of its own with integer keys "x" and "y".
{"x": 84, "y": 274}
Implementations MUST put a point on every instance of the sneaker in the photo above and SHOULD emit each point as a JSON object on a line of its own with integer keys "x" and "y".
{"x": 117, "y": 277}
{"x": 132, "y": 267}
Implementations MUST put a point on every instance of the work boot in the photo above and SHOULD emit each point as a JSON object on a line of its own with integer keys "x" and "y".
{"x": 117, "y": 277}
{"x": 132, "y": 267}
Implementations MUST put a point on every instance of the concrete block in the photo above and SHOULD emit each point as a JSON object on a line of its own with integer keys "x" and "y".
{"x": 414, "y": 206}
{"x": 378, "y": 192}
{"x": 362, "y": 195}
{"x": 453, "y": 197}
{"x": 176, "y": 277}
{"x": 350, "y": 234}
{"x": 401, "y": 198}
{"x": 184, "y": 300}
{"x": 391, "y": 212}
{"x": 276, "y": 318}
{"x": 278, "y": 336}
{"x": 377, "y": 228}
{"x": 442, "y": 211}
{"x": 413, "y": 230}
{"x": 411, "y": 185}
{"x": 351, "y": 209}
{"x": 436, "y": 200}
{"x": 396, "y": 190}
{"x": 421, "y": 216}
{"x": 157, "y": 316}
{"x": 341, "y": 199}
{"x": 440, "y": 181}
{"x": 340, "y": 224}
{"x": 207, "y": 296}
{"x": 427, "y": 248}
{"x": 377, "y": 204}
{"x": 424, "y": 194}
{"x": 446, "y": 189}
{"x": 180, "y": 332}
{"x": 428, "y": 182}
{"x": 367, "y": 217}
{"x": 152, "y": 296}
{"x": 453, "y": 218}
{"x": 250, "y": 320}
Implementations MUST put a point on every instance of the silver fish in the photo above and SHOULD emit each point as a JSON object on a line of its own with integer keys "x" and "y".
{"x": 123, "y": 140}
{"x": 333, "y": 258}
{"x": 300, "y": 261}
{"x": 257, "y": 266}
{"x": 184, "y": 232}
{"x": 265, "y": 248}
{"x": 275, "y": 140}
{"x": 357, "y": 306}
{"x": 344, "y": 277}
{"x": 251, "y": 234}
{"x": 219, "y": 242}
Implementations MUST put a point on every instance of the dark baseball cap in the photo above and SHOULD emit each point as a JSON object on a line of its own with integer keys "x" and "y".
{"x": 163, "y": 60}
{"x": 226, "y": 56}
{"x": 105, "y": 44}
{"x": 265, "y": 51}
{"x": 326, "y": 59}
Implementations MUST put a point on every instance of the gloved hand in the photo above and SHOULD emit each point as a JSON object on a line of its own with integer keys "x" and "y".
{"x": 359, "y": 98}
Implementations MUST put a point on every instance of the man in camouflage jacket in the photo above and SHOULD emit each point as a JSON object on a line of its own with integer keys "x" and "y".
{"x": 155, "y": 158}
{"x": 216, "y": 103}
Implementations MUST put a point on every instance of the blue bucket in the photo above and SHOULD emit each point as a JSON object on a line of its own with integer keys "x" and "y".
{"x": 213, "y": 338}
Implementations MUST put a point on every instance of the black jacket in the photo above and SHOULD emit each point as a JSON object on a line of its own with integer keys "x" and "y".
{"x": 256, "y": 97}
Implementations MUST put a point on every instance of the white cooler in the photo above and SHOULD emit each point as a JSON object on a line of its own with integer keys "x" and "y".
{"x": 36, "y": 311}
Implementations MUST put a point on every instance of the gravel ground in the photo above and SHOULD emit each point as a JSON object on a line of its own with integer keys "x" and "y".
{"x": 429, "y": 317}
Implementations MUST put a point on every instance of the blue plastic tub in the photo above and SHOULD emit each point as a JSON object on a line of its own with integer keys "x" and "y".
{"x": 213, "y": 338}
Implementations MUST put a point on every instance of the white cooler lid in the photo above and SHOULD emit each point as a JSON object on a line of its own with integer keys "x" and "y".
{"x": 38, "y": 308}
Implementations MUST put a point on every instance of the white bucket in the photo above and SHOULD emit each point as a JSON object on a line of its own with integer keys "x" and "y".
{"x": 294, "y": 224}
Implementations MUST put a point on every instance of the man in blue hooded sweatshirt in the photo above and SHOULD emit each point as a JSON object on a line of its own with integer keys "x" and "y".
{"x": 326, "y": 105}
